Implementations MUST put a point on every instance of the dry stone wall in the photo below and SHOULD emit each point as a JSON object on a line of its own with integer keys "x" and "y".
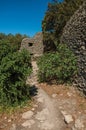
{"x": 33, "y": 45}
{"x": 74, "y": 34}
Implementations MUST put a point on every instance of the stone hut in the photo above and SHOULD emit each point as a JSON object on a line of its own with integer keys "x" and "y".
{"x": 33, "y": 45}
{"x": 74, "y": 35}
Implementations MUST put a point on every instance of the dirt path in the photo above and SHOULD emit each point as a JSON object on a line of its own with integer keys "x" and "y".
{"x": 47, "y": 116}
{"x": 54, "y": 109}
{"x": 33, "y": 78}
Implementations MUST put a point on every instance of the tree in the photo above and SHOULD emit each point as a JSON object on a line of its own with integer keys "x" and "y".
{"x": 56, "y": 17}
{"x": 14, "y": 40}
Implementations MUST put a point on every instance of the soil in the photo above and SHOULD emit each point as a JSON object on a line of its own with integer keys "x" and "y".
{"x": 48, "y": 105}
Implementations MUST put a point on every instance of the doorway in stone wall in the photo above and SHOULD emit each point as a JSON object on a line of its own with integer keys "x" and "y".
{"x": 30, "y": 44}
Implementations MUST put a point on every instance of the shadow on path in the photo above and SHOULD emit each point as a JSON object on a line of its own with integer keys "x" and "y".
{"x": 33, "y": 90}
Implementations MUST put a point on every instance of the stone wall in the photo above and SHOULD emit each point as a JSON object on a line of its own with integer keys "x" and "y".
{"x": 74, "y": 34}
{"x": 33, "y": 45}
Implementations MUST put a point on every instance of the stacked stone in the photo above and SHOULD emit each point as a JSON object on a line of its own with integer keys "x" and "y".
{"x": 74, "y": 34}
{"x": 36, "y": 49}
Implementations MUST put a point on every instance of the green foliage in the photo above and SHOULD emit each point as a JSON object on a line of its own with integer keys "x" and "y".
{"x": 14, "y": 40}
{"x": 14, "y": 68}
{"x": 48, "y": 42}
{"x": 5, "y": 48}
{"x": 56, "y": 17}
{"x": 59, "y": 66}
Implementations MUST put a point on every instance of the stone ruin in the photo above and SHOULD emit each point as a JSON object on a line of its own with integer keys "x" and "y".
{"x": 34, "y": 45}
{"x": 74, "y": 35}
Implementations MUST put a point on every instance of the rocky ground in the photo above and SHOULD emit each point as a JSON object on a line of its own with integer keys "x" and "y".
{"x": 54, "y": 107}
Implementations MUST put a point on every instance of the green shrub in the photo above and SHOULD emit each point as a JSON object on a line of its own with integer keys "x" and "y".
{"x": 59, "y": 66}
{"x": 5, "y": 48}
{"x": 14, "y": 68}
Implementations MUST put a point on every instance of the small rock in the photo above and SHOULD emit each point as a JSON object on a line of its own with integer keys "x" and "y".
{"x": 69, "y": 94}
{"x": 5, "y": 118}
{"x": 54, "y": 95}
{"x": 79, "y": 112}
{"x": 68, "y": 119}
{"x": 79, "y": 124}
{"x": 28, "y": 123}
{"x": 83, "y": 47}
{"x": 33, "y": 109}
{"x": 27, "y": 115}
{"x": 9, "y": 120}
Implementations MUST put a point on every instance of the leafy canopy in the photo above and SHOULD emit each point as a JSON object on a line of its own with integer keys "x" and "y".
{"x": 56, "y": 17}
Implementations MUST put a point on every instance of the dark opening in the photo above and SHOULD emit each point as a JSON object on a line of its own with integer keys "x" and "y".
{"x": 85, "y": 43}
{"x": 31, "y": 54}
{"x": 30, "y": 44}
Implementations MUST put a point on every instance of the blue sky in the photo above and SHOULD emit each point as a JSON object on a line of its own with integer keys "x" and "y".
{"x": 22, "y": 16}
